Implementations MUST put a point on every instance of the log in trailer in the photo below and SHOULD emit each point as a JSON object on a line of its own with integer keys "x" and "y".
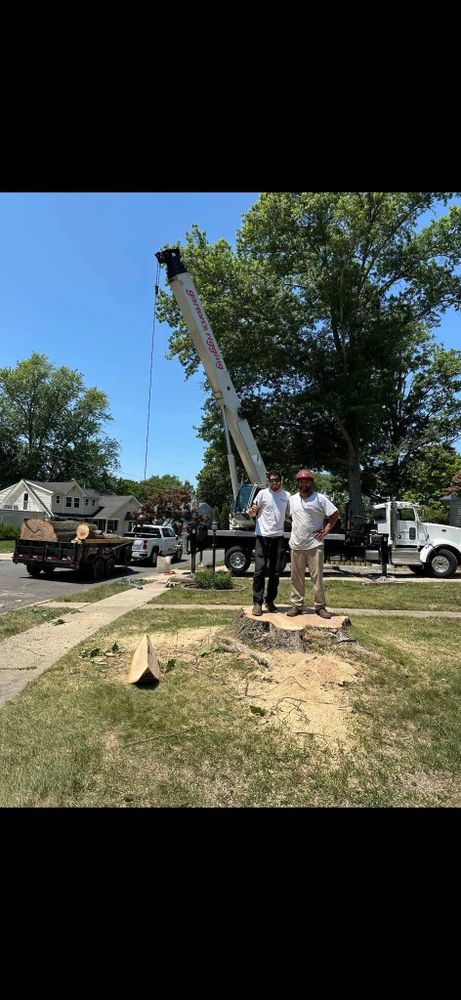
{"x": 397, "y": 535}
{"x": 92, "y": 556}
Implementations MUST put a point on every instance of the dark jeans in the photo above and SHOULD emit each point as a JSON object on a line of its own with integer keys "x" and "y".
{"x": 268, "y": 556}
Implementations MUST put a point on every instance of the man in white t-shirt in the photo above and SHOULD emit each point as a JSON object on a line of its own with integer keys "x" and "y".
{"x": 308, "y": 510}
{"x": 270, "y": 508}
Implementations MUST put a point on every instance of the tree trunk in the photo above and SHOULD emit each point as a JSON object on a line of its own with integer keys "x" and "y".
{"x": 353, "y": 471}
{"x": 355, "y": 487}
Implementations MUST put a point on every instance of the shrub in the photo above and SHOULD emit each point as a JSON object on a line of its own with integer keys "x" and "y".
{"x": 205, "y": 579}
{"x": 8, "y": 532}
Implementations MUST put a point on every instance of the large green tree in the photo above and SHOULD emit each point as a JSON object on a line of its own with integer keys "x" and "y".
{"x": 54, "y": 425}
{"x": 141, "y": 489}
{"x": 412, "y": 452}
{"x": 316, "y": 311}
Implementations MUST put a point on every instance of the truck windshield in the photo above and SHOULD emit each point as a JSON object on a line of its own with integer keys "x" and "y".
{"x": 243, "y": 499}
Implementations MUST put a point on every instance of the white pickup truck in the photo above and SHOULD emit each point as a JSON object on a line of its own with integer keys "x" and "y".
{"x": 153, "y": 540}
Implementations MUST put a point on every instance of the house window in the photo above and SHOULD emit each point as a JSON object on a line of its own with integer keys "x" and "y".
{"x": 25, "y": 502}
{"x": 93, "y": 503}
{"x": 68, "y": 501}
{"x": 86, "y": 501}
{"x": 58, "y": 499}
{"x": 76, "y": 501}
{"x": 112, "y": 525}
{"x": 101, "y": 525}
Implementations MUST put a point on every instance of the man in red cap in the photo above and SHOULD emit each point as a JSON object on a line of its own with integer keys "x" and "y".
{"x": 308, "y": 510}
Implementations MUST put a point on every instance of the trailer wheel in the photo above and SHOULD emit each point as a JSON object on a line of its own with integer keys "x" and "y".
{"x": 48, "y": 570}
{"x": 33, "y": 568}
{"x": 126, "y": 556}
{"x": 237, "y": 560}
{"x": 443, "y": 563}
{"x": 98, "y": 568}
{"x": 110, "y": 566}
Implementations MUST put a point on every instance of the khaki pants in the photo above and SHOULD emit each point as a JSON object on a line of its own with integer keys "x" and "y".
{"x": 313, "y": 560}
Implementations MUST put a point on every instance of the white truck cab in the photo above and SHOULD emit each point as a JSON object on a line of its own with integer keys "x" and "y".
{"x": 417, "y": 543}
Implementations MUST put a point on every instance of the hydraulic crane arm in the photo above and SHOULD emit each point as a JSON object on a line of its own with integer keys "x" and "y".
{"x": 218, "y": 376}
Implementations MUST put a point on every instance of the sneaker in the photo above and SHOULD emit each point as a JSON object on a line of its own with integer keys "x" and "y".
{"x": 294, "y": 611}
{"x": 322, "y": 613}
{"x": 257, "y": 609}
{"x": 270, "y": 606}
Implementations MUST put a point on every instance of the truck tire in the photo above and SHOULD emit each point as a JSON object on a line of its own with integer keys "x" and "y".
{"x": 33, "y": 568}
{"x": 152, "y": 560}
{"x": 98, "y": 568}
{"x": 49, "y": 570}
{"x": 443, "y": 563}
{"x": 237, "y": 560}
{"x": 126, "y": 556}
{"x": 110, "y": 566}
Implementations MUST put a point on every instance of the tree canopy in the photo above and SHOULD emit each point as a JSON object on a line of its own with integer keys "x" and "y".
{"x": 324, "y": 314}
{"x": 52, "y": 425}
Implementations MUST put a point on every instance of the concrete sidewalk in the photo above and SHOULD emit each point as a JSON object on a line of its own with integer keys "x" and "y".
{"x": 26, "y": 655}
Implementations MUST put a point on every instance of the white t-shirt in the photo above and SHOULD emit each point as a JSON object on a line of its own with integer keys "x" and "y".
{"x": 273, "y": 508}
{"x": 307, "y": 517}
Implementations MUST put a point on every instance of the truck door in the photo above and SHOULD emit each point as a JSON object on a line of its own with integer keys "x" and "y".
{"x": 170, "y": 539}
{"x": 406, "y": 528}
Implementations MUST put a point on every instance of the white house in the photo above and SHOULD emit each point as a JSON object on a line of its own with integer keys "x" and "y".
{"x": 29, "y": 498}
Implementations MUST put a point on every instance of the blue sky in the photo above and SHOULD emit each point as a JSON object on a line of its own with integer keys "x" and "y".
{"x": 77, "y": 275}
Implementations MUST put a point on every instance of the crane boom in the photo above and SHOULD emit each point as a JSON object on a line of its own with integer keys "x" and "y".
{"x": 218, "y": 376}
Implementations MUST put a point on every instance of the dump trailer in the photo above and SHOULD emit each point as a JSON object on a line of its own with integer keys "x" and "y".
{"x": 46, "y": 545}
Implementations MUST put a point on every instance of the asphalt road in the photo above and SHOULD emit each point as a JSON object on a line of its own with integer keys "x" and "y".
{"x": 18, "y": 589}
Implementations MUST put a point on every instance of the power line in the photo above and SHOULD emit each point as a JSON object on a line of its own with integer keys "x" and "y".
{"x": 150, "y": 371}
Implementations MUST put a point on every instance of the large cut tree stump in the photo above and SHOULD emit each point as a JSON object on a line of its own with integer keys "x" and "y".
{"x": 276, "y": 631}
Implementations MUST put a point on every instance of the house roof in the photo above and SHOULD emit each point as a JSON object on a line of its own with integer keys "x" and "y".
{"x": 53, "y": 487}
{"x": 64, "y": 487}
{"x": 112, "y": 504}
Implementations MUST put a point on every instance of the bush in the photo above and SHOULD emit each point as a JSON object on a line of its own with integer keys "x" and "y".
{"x": 205, "y": 579}
{"x": 8, "y": 533}
{"x": 224, "y": 517}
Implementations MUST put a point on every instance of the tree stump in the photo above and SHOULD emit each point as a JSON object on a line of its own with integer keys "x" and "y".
{"x": 276, "y": 631}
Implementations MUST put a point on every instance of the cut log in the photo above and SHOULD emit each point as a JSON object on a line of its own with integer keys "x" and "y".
{"x": 144, "y": 667}
{"x": 87, "y": 531}
{"x": 39, "y": 530}
{"x": 102, "y": 539}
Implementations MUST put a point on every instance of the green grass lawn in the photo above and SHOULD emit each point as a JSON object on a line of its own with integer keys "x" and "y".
{"x": 24, "y": 618}
{"x": 439, "y": 595}
{"x": 102, "y": 590}
{"x": 7, "y": 546}
{"x": 81, "y": 736}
